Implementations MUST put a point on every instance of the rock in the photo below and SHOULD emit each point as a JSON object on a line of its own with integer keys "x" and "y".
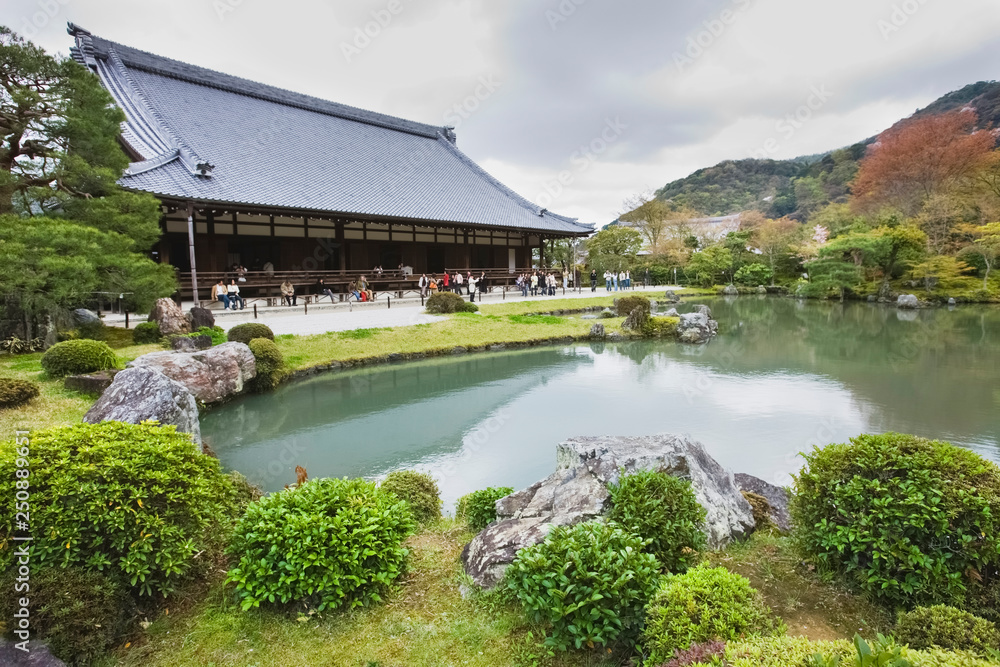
{"x": 672, "y": 312}
{"x": 459, "y": 349}
{"x": 761, "y": 289}
{"x": 696, "y": 328}
{"x": 615, "y": 336}
{"x": 872, "y": 298}
{"x": 37, "y": 656}
{"x": 578, "y": 492}
{"x": 91, "y": 383}
{"x": 670, "y": 297}
{"x": 170, "y": 317}
{"x": 143, "y": 393}
{"x": 636, "y": 319}
{"x": 200, "y": 317}
{"x": 588, "y": 317}
{"x": 729, "y": 515}
{"x": 704, "y": 310}
{"x": 951, "y": 301}
{"x": 190, "y": 343}
{"x": 498, "y": 347}
{"x": 777, "y": 498}
{"x": 907, "y": 301}
{"x": 212, "y": 375}
{"x": 652, "y": 305}
{"x": 730, "y": 290}
{"x": 597, "y": 330}
{"x": 83, "y": 316}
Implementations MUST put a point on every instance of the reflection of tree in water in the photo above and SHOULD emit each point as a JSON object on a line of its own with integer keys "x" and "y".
{"x": 939, "y": 371}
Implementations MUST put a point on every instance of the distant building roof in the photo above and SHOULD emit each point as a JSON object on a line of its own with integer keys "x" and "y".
{"x": 214, "y": 138}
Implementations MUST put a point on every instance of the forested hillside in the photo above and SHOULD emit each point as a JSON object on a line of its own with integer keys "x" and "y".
{"x": 799, "y": 187}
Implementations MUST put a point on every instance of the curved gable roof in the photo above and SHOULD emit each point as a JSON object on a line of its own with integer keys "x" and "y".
{"x": 207, "y": 136}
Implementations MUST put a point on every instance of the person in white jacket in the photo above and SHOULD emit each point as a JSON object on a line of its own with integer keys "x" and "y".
{"x": 472, "y": 288}
{"x": 423, "y": 283}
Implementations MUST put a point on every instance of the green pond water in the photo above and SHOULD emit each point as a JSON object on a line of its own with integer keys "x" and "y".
{"x": 782, "y": 377}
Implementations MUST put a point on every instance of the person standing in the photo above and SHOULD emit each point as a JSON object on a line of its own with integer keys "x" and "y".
{"x": 423, "y": 283}
{"x": 628, "y": 279}
{"x": 233, "y": 292}
{"x": 593, "y": 280}
{"x": 445, "y": 279}
{"x": 458, "y": 282}
{"x": 481, "y": 285}
{"x": 472, "y": 289}
{"x": 221, "y": 294}
{"x": 534, "y": 284}
{"x": 288, "y": 293}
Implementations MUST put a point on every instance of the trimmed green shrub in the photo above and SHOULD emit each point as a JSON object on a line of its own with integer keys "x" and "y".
{"x": 270, "y": 365}
{"x": 587, "y": 583}
{"x": 752, "y": 275}
{"x": 244, "y": 333}
{"x": 134, "y": 501}
{"x": 479, "y": 507}
{"x": 15, "y": 393}
{"x": 799, "y": 651}
{"x": 469, "y": 307}
{"x": 78, "y": 613}
{"x": 73, "y": 357}
{"x": 216, "y": 333}
{"x": 663, "y": 511}
{"x": 946, "y": 627}
{"x": 606, "y": 314}
{"x": 419, "y": 490}
{"x": 703, "y": 604}
{"x": 445, "y": 302}
{"x": 661, "y": 327}
{"x": 328, "y": 543}
{"x": 911, "y": 521}
{"x": 146, "y": 332}
{"x": 626, "y": 304}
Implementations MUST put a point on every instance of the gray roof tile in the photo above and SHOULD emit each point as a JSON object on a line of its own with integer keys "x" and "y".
{"x": 213, "y": 137}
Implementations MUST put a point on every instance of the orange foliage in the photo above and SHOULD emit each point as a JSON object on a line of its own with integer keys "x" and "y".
{"x": 920, "y": 158}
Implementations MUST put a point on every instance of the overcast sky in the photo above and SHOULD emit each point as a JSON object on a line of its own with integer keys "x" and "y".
{"x": 613, "y": 96}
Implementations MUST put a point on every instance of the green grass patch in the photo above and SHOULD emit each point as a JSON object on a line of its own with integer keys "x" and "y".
{"x": 536, "y": 319}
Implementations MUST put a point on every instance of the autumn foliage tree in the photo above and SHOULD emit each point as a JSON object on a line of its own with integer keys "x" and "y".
{"x": 921, "y": 158}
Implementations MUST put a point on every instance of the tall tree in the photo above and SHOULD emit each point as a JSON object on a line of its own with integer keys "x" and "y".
{"x": 920, "y": 158}
{"x": 615, "y": 247}
{"x": 987, "y": 246}
{"x": 708, "y": 265}
{"x": 774, "y": 239}
{"x": 60, "y": 160}
{"x": 886, "y": 249}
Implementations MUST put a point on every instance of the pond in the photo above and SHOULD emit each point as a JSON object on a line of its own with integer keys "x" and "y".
{"x": 783, "y": 376}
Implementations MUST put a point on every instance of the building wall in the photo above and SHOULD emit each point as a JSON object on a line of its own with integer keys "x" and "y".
{"x": 299, "y": 243}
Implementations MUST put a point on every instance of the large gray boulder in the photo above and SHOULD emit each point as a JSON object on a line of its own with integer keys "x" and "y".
{"x": 730, "y": 290}
{"x": 698, "y": 327}
{"x": 578, "y": 492}
{"x": 140, "y": 394}
{"x": 170, "y": 317}
{"x": 597, "y": 330}
{"x": 777, "y": 497}
{"x": 636, "y": 319}
{"x": 907, "y": 301}
{"x": 38, "y": 655}
{"x": 671, "y": 297}
{"x": 212, "y": 375}
{"x": 199, "y": 317}
{"x": 84, "y": 316}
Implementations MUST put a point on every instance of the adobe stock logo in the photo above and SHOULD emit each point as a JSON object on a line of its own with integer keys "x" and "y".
{"x": 470, "y": 104}
{"x": 900, "y": 16}
{"x": 699, "y": 43}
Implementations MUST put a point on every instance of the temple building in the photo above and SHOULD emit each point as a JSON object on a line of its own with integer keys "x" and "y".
{"x": 265, "y": 178}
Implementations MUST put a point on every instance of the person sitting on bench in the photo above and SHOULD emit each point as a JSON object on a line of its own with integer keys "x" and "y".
{"x": 220, "y": 293}
{"x": 234, "y": 295}
{"x": 288, "y": 293}
{"x": 323, "y": 290}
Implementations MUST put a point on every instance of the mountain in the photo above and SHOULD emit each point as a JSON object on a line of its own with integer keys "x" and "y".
{"x": 799, "y": 186}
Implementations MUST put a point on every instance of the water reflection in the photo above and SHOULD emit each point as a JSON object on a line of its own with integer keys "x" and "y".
{"x": 783, "y": 376}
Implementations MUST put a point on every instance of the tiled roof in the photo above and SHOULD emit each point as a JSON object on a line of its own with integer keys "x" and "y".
{"x": 212, "y": 137}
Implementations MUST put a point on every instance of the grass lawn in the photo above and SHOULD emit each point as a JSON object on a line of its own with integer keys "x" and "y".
{"x": 427, "y": 622}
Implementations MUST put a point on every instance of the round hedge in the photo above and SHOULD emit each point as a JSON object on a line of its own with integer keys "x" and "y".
{"x": 479, "y": 507}
{"x": 244, "y": 333}
{"x": 588, "y": 583}
{"x": 270, "y": 364}
{"x": 703, "y": 604}
{"x": 662, "y": 510}
{"x": 445, "y": 302}
{"x": 15, "y": 393}
{"x": 134, "y": 501}
{"x": 911, "y": 521}
{"x": 946, "y": 627}
{"x": 327, "y": 543}
{"x": 626, "y": 304}
{"x": 419, "y": 490}
{"x": 146, "y": 332}
{"x": 79, "y": 614}
{"x": 73, "y": 357}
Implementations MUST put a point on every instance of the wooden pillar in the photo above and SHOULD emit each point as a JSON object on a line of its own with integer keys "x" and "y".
{"x": 194, "y": 270}
{"x": 342, "y": 249}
